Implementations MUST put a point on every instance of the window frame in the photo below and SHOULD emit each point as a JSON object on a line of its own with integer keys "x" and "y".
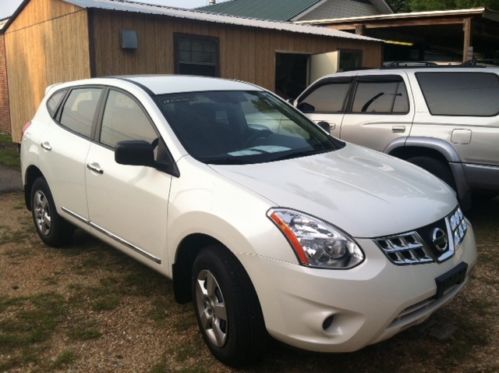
{"x": 98, "y": 130}
{"x": 328, "y": 81}
{"x": 58, "y": 114}
{"x": 452, "y": 72}
{"x": 176, "y": 52}
{"x": 392, "y": 78}
{"x": 99, "y": 114}
{"x": 174, "y": 171}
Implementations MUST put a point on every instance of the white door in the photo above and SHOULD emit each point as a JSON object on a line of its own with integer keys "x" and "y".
{"x": 325, "y": 101}
{"x": 130, "y": 203}
{"x": 379, "y": 113}
{"x": 323, "y": 64}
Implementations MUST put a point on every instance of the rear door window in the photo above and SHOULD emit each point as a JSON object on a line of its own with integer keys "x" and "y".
{"x": 380, "y": 97}
{"x": 460, "y": 93}
{"x": 79, "y": 110}
{"x": 326, "y": 98}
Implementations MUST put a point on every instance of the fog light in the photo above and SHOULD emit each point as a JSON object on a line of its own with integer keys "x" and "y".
{"x": 328, "y": 321}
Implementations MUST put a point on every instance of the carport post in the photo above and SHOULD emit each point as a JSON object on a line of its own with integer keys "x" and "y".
{"x": 467, "y": 40}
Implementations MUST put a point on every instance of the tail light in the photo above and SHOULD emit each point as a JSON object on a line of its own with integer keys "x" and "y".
{"x": 25, "y": 128}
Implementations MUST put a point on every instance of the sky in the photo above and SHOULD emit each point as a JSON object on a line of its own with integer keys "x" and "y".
{"x": 7, "y": 7}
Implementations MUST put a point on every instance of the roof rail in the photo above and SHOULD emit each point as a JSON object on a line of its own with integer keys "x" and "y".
{"x": 428, "y": 64}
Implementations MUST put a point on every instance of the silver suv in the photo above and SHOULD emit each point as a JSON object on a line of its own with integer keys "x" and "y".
{"x": 446, "y": 120}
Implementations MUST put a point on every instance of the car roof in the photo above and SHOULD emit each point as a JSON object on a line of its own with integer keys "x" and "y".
{"x": 412, "y": 69}
{"x": 164, "y": 84}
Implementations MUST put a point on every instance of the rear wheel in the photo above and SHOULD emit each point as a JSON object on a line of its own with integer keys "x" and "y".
{"x": 52, "y": 229}
{"x": 436, "y": 167}
{"x": 227, "y": 308}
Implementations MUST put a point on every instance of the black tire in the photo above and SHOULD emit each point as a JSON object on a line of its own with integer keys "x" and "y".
{"x": 436, "y": 167}
{"x": 245, "y": 334}
{"x": 57, "y": 232}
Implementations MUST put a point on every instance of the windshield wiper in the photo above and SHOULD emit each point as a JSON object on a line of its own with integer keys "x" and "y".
{"x": 303, "y": 153}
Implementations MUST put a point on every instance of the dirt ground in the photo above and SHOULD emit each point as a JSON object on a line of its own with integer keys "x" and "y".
{"x": 89, "y": 308}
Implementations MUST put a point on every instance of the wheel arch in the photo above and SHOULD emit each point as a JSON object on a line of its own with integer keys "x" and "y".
{"x": 423, "y": 146}
{"x": 32, "y": 173}
{"x": 187, "y": 251}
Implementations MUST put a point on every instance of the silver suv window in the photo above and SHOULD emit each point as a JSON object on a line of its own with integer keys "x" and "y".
{"x": 460, "y": 93}
{"x": 326, "y": 98}
{"x": 380, "y": 97}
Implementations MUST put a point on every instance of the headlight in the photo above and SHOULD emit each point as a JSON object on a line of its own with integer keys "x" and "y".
{"x": 315, "y": 242}
{"x": 458, "y": 226}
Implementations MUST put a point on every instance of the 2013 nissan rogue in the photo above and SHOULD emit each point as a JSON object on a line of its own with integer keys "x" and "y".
{"x": 269, "y": 224}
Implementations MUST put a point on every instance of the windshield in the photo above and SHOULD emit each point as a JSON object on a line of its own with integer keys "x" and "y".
{"x": 238, "y": 127}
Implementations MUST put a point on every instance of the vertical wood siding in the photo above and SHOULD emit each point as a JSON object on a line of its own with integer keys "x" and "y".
{"x": 46, "y": 44}
{"x": 4, "y": 93}
{"x": 245, "y": 53}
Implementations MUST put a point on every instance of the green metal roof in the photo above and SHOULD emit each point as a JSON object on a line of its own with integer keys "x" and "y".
{"x": 278, "y": 10}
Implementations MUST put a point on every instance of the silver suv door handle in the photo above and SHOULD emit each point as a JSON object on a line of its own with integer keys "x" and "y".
{"x": 95, "y": 167}
{"x": 398, "y": 129}
{"x": 46, "y": 145}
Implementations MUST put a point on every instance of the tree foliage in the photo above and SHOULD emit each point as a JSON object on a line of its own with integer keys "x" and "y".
{"x": 421, "y": 5}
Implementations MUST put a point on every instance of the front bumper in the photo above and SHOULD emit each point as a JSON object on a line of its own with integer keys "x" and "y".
{"x": 368, "y": 304}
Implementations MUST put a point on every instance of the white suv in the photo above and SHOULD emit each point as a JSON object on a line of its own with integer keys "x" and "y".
{"x": 445, "y": 120}
{"x": 266, "y": 222}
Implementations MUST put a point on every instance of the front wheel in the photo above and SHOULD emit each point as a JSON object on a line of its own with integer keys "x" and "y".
{"x": 227, "y": 308}
{"x": 52, "y": 229}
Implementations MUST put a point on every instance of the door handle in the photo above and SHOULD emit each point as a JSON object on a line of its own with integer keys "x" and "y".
{"x": 95, "y": 167}
{"x": 398, "y": 129}
{"x": 46, "y": 145}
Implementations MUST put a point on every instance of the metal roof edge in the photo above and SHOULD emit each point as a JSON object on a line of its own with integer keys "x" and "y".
{"x": 409, "y": 15}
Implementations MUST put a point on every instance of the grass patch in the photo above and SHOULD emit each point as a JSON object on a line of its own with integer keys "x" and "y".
{"x": 84, "y": 330}
{"x": 34, "y": 321}
{"x": 64, "y": 359}
{"x": 9, "y": 155}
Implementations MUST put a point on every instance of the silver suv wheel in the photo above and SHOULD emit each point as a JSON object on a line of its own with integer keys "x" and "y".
{"x": 42, "y": 213}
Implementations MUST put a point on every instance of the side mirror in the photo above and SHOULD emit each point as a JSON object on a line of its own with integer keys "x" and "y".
{"x": 325, "y": 126}
{"x": 134, "y": 153}
{"x": 305, "y": 108}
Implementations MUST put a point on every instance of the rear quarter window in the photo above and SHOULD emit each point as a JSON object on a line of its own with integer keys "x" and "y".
{"x": 460, "y": 93}
{"x": 54, "y": 101}
{"x": 79, "y": 110}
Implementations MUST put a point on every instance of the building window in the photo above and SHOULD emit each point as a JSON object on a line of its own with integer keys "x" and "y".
{"x": 196, "y": 55}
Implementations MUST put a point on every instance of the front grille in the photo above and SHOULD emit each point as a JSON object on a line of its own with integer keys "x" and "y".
{"x": 434, "y": 242}
{"x": 406, "y": 248}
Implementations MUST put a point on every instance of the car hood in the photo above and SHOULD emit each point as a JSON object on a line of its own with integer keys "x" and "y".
{"x": 361, "y": 191}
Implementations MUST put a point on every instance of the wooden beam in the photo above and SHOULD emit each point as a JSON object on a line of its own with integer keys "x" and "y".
{"x": 359, "y": 29}
{"x": 467, "y": 53}
{"x": 400, "y": 23}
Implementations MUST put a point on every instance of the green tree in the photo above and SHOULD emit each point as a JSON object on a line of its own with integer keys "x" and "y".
{"x": 421, "y": 5}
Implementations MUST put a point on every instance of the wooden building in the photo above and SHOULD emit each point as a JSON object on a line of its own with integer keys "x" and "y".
{"x": 440, "y": 36}
{"x": 50, "y": 41}
{"x": 4, "y": 93}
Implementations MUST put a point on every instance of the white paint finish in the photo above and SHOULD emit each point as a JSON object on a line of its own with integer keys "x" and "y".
{"x": 128, "y": 201}
{"x": 363, "y": 192}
